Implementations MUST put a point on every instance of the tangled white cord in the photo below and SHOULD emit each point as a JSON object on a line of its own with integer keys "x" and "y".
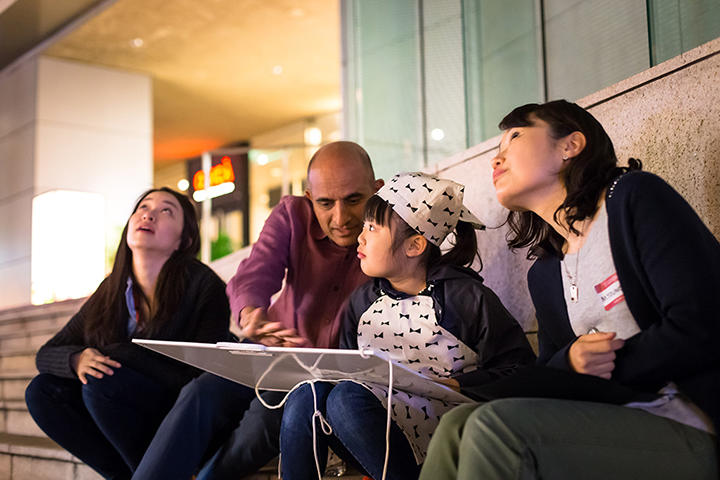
{"x": 324, "y": 424}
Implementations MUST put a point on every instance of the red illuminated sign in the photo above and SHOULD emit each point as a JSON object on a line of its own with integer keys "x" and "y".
{"x": 220, "y": 173}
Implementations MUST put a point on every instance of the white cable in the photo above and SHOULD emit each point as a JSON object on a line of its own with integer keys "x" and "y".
{"x": 323, "y": 424}
{"x": 389, "y": 418}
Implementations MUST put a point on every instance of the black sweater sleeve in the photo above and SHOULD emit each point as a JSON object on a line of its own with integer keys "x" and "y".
{"x": 54, "y": 356}
{"x": 202, "y": 316}
{"x": 496, "y": 337}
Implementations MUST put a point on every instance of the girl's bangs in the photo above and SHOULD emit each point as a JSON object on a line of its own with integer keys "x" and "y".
{"x": 378, "y": 210}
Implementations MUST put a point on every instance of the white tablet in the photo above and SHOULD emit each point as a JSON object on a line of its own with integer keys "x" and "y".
{"x": 281, "y": 368}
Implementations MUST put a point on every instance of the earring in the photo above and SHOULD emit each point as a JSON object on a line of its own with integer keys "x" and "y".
{"x": 565, "y": 158}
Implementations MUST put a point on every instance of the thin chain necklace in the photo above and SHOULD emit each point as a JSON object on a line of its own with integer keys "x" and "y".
{"x": 572, "y": 277}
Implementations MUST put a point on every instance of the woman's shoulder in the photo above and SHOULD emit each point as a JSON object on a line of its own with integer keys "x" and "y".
{"x": 634, "y": 182}
{"x": 201, "y": 275}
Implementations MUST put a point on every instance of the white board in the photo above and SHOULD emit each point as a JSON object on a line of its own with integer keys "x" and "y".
{"x": 281, "y": 368}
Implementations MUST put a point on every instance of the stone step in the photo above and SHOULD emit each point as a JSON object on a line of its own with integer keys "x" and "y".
{"x": 26, "y": 343}
{"x": 20, "y": 362}
{"x": 40, "y": 325}
{"x": 16, "y": 420}
{"x": 27, "y": 457}
{"x": 12, "y": 387}
{"x": 33, "y": 312}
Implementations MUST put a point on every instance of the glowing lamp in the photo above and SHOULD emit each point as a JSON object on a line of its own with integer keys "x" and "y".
{"x": 214, "y": 191}
{"x": 68, "y": 245}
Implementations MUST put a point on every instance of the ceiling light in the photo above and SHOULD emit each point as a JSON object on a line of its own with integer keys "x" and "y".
{"x": 183, "y": 185}
{"x": 137, "y": 42}
{"x": 262, "y": 159}
{"x": 277, "y": 70}
{"x": 276, "y": 172}
{"x": 313, "y": 136}
{"x": 437, "y": 134}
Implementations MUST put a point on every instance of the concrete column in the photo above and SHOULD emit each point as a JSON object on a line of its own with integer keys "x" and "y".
{"x": 68, "y": 126}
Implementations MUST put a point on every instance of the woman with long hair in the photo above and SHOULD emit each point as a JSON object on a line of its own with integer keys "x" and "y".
{"x": 625, "y": 287}
{"x": 98, "y": 395}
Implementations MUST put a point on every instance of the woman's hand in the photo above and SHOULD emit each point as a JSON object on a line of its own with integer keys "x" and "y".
{"x": 594, "y": 354}
{"x": 91, "y": 362}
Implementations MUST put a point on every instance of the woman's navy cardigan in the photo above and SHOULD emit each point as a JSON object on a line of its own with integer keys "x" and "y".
{"x": 668, "y": 264}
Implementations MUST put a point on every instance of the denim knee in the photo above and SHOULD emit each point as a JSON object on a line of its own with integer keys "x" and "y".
{"x": 41, "y": 393}
{"x": 344, "y": 400}
{"x": 299, "y": 408}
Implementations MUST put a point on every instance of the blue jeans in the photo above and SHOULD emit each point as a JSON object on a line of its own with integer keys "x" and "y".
{"x": 358, "y": 422}
{"x": 107, "y": 423}
{"x": 218, "y": 423}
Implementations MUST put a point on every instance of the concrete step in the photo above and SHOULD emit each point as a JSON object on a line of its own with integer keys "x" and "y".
{"x": 16, "y": 420}
{"x": 12, "y": 387}
{"x": 18, "y": 362}
{"x": 25, "y": 326}
{"x": 26, "y": 343}
{"x": 34, "y": 312}
{"x": 29, "y": 458}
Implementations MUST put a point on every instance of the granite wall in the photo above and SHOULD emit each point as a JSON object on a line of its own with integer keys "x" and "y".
{"x": 668, "y": 116}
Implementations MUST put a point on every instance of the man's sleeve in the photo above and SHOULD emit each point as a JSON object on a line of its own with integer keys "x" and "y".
{"x": 260, "y": 275}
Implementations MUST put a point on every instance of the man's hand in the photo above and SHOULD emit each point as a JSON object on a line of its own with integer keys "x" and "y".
{"x": 254, "y": 325}
{"x": 449, "y": 382}
{"x": 91, "y": 362}
{"x": 594, "y": 354}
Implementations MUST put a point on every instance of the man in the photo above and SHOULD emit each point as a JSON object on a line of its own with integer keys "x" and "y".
{"x": 311, "y": 242}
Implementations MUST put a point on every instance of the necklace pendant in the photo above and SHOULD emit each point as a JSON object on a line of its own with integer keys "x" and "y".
{"x": 573, "y": 293}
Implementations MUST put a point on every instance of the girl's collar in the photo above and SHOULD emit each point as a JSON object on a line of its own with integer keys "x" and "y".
{"x": 384, "y": 287}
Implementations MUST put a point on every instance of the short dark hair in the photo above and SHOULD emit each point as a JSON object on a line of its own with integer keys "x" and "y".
{"x": 101, "y": 311}
{"x": 462, "y": 254}
{"x": 585, "y": 176}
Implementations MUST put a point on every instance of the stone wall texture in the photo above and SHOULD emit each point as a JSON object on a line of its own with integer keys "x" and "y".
{"x": 668, "y": 116}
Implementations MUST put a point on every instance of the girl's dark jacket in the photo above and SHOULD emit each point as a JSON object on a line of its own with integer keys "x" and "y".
{"x": 466, "y": 308}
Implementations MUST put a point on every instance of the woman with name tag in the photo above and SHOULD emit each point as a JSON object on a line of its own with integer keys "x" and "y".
{"x": 626, "y": 285}
{"x": 100, "y": 396}
{"x": 424, "y": 309}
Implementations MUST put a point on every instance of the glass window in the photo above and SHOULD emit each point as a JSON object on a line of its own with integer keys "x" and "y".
{"x": 503, "y": 67}
{"x": 678, "y": 26}
{"x": 591, "y": 44}
{"x": 383, "y": 80}
{"x": 444, "y": 85}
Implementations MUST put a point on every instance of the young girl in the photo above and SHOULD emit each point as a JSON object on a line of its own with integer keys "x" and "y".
{"x": 625, "y": 286}
{"x": 426, "y": 310}
{"x": 98, "y": 395}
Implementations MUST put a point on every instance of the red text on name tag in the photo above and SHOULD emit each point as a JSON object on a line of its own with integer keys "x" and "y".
{"x": 610, "y": 292}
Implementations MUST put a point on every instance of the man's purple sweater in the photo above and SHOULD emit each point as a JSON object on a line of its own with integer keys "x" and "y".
{"x": 320, "y": 274}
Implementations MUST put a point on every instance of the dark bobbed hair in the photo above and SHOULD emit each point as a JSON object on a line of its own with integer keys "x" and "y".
{"x": 585, "y": 176}
{"x": 104, "y": 307}
{"x": 462, "y": 253}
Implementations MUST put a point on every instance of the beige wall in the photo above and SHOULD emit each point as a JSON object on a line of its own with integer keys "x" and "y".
{"x": 17, "y": 144}
{"x": 67, "y": 125}
{"x": 668, "y": 116}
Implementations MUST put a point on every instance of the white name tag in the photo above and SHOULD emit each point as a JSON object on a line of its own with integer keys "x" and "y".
{"x": 610, "y": 292}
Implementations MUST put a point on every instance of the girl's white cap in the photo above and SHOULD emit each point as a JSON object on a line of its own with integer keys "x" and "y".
{"x": 432, "y": 206}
